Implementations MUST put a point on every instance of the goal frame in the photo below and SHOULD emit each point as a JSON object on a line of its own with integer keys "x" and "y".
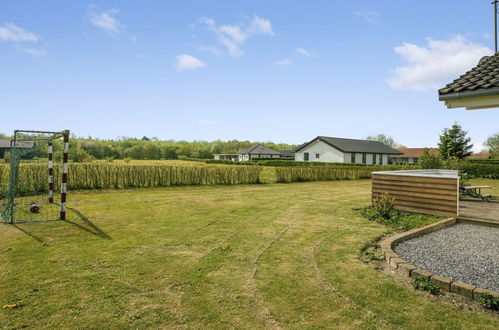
{"x": 15, "y": 151}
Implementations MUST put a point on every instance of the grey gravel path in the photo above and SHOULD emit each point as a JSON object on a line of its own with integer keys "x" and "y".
{"x": 463, "y": 252}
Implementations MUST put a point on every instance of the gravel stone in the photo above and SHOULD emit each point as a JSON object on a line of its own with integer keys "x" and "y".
{"x": 463, "y": 252}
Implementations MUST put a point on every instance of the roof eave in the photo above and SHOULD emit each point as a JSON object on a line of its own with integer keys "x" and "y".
{"x": 469, "y": 94}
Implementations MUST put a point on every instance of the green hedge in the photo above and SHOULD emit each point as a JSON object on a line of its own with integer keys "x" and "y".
{"x": 321, "y": 173}
{"x": 32, "y": 178}
{"x": 479, "y": 170}
{"x": 484, "y": 161}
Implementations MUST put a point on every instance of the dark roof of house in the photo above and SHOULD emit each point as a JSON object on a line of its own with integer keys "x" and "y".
{"x": 259, "y": 150}
{"x": 352, "y": 145}
{"x": 481, "y": 80}
{"x": 414, "y": 152}
{"x": 287, "y": 152}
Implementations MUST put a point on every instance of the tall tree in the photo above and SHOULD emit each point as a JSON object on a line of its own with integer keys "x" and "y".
{"x": 492, "y": 144}
{"x": 454, "y": 143}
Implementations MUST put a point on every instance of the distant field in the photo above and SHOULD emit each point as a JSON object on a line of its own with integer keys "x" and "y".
{"x": 242, "y": 256}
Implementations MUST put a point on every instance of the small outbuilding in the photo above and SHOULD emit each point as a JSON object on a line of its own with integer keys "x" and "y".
{"x": 258, "y": 151}
{"x": 287, "y": 153}
{"x": 340, "y": 150}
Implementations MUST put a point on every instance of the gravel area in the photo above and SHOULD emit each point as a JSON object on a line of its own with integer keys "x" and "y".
{"x": 463, "y": 252}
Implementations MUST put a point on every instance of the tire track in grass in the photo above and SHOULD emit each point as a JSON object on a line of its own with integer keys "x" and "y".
{"x": 240, "y": 229}
{"x": 329, "y": 286}
{"x": 251, "y": 282}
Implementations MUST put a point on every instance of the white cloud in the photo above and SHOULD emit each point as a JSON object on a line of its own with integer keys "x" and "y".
{"x": 107, "y": 21}
{"x": 32, "y": 51}
{"x": 261, "y": 26}
{"x": 303, "y": 51}
{"x": 210, "y": 49}
{"x": 284, "y": 61}
{"x": 233, "y": 37}
{"x": 12, "y": 32}
{"x": 370, "y": 16}
{"x": 428, "y": 67}
{"x": 188, "y": 62}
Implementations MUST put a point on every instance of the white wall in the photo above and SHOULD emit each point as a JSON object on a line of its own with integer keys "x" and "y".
{"x": 326, "y": 153}
{"x": 333, "y": 155}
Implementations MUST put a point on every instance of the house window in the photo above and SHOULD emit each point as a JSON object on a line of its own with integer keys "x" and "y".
{"x": 381, "y": 159}
{"x": 317, "y": 156}
{"x": 374, "y": 158}
{"x": 364, "y": 159}
{"x": 305, "y": 156}
{"x": 352, "y": 158}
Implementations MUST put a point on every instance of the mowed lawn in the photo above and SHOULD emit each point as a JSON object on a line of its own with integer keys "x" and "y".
{"x": 248, "y": 256}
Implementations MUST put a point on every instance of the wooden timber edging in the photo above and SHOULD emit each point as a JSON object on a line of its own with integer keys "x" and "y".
{"x": 419, "y": 194}
{"x": 395, "y": 262}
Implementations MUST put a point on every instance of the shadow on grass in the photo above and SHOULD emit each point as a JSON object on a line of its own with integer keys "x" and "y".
{"x": 28, "y": 233}
{"x": 92, "y": 228}
{"x": 85, "y": 225}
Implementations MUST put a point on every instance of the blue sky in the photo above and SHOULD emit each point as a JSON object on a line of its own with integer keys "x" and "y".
{"x": 283, "y": 71}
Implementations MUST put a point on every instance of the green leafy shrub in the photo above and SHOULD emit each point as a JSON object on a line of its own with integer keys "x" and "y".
{"x": 489, "y": 301}
{"x": 424, "y": 284}
{"x": 385, "y": 205}
{"x": 430, "y": 160}
{"x": 399, "y": 220}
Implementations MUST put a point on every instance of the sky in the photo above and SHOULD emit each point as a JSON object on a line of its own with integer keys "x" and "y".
{"x": 259, "y": 70}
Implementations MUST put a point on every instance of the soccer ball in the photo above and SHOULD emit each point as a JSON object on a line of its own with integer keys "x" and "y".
{"x": 34, "y": 208}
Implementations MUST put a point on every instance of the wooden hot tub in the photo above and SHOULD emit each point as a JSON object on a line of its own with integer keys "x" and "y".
{"x": 420, "y": 191}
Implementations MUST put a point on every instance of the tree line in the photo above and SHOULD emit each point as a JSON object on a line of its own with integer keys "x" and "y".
{"x": 87, "y": 149}
{"x": 454, "y": 143}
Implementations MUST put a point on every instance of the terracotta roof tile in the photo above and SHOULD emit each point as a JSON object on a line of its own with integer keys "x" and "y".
{"x": 414, "y": 152}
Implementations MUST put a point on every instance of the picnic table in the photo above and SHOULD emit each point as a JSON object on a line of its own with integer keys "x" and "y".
{"x": 477, "y": 189}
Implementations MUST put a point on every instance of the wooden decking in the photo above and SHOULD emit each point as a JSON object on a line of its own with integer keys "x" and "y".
{"x": 479, "y": 210}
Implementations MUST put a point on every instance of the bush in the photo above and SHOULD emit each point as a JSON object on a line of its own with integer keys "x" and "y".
{"x": 430, "y": 160}
{"x": 489, "y": 301}
{"x": 424, "y": 284}
{"x": 384, "y": 205}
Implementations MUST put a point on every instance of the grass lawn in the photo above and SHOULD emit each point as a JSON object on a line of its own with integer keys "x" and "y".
{"x": 249, "y": 256}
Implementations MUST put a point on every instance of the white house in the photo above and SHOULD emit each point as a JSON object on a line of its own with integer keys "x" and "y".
{"x": 339, "y": 150}
{"x": 233, "y": 157}
{"x": 258, "y": 151}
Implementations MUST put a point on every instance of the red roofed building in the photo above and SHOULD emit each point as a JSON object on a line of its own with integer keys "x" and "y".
{"x": 410, "y": 155}
{"x": 485, "y": 155}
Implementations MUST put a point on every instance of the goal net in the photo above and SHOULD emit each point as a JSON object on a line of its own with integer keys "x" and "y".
{"x": 36, "y": 177}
